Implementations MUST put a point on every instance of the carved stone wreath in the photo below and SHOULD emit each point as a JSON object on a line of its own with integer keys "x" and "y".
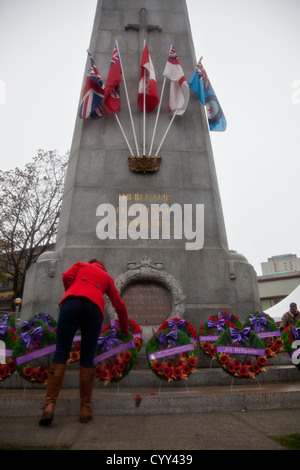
{"x": 145, "y": 270}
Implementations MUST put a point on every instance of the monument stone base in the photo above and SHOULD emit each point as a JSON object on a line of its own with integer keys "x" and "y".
{"x": 225, "y": 281}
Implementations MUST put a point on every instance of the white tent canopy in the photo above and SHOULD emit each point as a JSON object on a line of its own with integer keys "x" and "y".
{"x": 279, "y": 309}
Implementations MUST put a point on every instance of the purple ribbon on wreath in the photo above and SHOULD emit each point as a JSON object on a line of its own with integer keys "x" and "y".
{"x": 30, "y": 337}
{"x": 258, "y": 321}
{"x": 114, "y": 324}
{"x": 107, "y": 342}
{"x": 296, "y": 333}
{"x": 45, "y": 317}
{"x": 167, "y": 338}
{"x": 28, "y": 325}
{"x": 218, "y": 323}
{"x": 239, "y": 336}
{"x": 226, "y": 317}
{"x": 3, "y": 325}
{"x": 177, "y": 325}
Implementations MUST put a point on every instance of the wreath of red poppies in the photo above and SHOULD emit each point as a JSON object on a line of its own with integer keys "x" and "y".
{"x": 266, "y": 329}
{"x": 210, "y": 331}
{"x": 172, "y": 352}
{"x": 115, "y": 355}
{"x": 9, "y": 336}
{"x": 74, "y": 355}
{"x": 241, "y": 353}
{"x": 37, "y": 339}
{"x": 181, "y": 325}
{"x": 133, "y": 328}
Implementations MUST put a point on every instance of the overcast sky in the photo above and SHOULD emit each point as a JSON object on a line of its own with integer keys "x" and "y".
{"x": 251, "y": 53}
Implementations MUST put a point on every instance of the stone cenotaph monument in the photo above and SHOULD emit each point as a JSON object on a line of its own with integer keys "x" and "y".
{"x": 141, "y": 192}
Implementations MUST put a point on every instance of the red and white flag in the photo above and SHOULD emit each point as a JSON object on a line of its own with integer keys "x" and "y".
{"x": 179, "y": 88}
{"x": 147, "y": 84}
{"x": 112, "y": 89}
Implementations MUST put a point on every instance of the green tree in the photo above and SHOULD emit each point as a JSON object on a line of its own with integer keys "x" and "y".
{"x": 30, "y": 200}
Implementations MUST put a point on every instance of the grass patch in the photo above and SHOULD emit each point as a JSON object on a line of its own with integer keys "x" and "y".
{"x": 291, "y": 441}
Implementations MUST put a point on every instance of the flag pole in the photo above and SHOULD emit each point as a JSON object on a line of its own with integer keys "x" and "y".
{"x": 129, "y": 108}
{"x": 144, "y": 118}
{"x": 157, "y": 115}
{"x": 144, "y": 111}
{"x": 120, "y": 125}
{"x": 170, "y": 124}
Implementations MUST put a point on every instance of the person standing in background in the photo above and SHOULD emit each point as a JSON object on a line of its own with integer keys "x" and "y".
{"x": 291, "y": 317}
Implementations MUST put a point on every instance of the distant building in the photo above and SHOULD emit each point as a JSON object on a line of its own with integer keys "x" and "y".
{"x": 275, "y": 287}
{"x": 281, "y": 275}
{"x": 281, "y": 264}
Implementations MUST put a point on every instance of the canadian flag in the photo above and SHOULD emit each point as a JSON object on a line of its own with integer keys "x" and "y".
{"x": 147, "y": 83}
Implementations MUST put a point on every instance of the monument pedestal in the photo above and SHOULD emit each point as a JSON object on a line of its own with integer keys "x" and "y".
{"x": 193, "y": 264}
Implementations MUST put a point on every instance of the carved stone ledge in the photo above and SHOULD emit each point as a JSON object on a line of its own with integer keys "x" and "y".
{"x": 144, "y": 164}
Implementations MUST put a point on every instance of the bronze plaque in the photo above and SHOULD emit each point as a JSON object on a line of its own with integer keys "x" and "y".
{"x": 147, "y": 303}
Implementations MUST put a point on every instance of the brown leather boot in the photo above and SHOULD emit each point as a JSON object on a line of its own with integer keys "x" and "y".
{"x": 56, "y": 375}
{"x": 86, "y": 384}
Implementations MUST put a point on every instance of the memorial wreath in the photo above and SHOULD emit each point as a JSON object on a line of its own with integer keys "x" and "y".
{"x": 241, "y": 353}
{"x": 291, "y": 342}
{"x": 181, "y": 325}
{"x": 210, "y": 331}
{"x": 171, "y": 355}
{"x": 8, "y": 335}
{"x": 75, "y": 348}
{"x": 266, "y": 329}
{"x": 115, "y": 355}
{"x": 37, "y": 339}
{"x": 133, "y": 329}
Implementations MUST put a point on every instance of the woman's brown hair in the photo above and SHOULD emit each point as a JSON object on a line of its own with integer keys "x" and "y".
{"x": 94, "y": 260}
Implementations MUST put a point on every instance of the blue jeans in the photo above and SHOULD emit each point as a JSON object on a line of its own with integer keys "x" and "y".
{"x": 75, "y": 313}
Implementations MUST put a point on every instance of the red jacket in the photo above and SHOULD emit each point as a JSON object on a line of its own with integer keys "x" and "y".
{"x": 92, "y": 281}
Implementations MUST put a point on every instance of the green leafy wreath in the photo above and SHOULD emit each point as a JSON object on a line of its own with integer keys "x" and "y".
{"x": 133, "y": 328}
{"x": 210, "y": 331}
{"x": 290, "y": 336}
{"x": 172, "y": 356}
{"x": 264, "y": 326}
{"x": 37, "y": 339}
{"x": 115, "y": 355}
{"x": 74, "y": 355}
{"x": 8, "y": 335}
{"x": 180, "y": 324}
{"x": 235, "y": 350}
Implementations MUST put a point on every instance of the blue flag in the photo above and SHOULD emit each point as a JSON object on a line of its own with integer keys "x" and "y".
{"x": 200, "y": 83}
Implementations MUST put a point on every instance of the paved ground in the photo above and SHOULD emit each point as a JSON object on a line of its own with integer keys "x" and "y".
{"x": 245, "y": 430}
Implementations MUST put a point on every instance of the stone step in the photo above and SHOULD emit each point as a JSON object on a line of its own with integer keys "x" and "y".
{"x": 140, "y": 378}
{"x": 157, "y": 400}
{"x": 209, "y": 389}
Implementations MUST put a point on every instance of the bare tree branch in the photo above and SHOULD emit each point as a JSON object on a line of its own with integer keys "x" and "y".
{"x": 30, "y": 200}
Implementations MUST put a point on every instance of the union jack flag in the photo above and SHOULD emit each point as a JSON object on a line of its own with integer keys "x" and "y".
{"x": 93, "y": 94}
{"x": 173, "y": 57}
{"x": 203, "y": 75}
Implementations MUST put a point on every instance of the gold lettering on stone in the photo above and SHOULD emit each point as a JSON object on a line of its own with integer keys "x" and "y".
{"x": 145, "y": 197}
